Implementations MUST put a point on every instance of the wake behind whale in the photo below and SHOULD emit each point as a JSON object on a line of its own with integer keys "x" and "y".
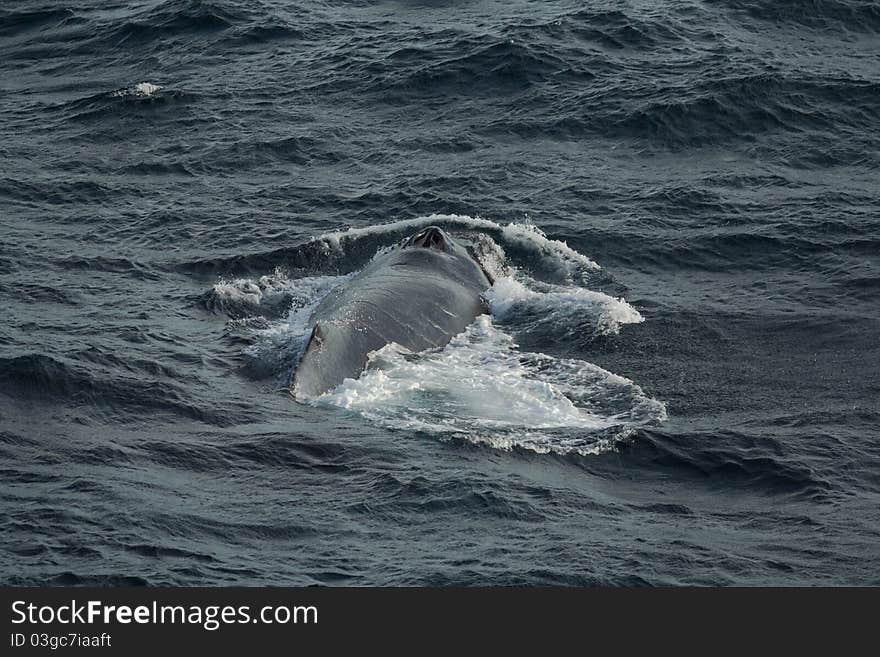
{"x": 474, "y": 384}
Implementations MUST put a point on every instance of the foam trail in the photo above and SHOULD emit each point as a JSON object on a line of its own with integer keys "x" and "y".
{"x": 558, "y": 305}
{"x": 482, "y": 389}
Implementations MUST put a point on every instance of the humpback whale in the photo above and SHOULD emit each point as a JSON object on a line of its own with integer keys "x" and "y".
{"x": 421, "y": 293}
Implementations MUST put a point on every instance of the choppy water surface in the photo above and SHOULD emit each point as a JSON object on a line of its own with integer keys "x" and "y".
{"x": 679, "y": 381}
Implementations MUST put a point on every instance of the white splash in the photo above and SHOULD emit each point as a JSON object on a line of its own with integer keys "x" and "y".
{"x": 242, "y": 296}
{"x": 559, "y": 305}
{"x": 238, "y": 290}
{"x": 481, "y": 388}
{"x": 273, "y": 312}
{"x": 141, "y": 89}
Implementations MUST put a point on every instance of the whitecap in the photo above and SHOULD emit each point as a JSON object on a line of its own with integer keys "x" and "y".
{"x": 141, "y": 89}
{"x": 558, "y": 306}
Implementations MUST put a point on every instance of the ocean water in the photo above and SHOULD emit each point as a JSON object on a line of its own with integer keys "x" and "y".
{"x": 679, "y": 380}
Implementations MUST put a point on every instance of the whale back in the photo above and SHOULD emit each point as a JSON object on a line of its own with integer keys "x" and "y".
{"x": 416, "y": 296}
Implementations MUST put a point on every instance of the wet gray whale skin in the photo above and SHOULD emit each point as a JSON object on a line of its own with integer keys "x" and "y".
{"x": 420, "y": 294}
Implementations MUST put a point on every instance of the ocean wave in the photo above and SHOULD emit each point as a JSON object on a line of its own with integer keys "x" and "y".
{"x": 171, "y": 18}
{"x": 81, "y": 31}
{"x": 69, "y": 578}
{"x": 263, "y": 33}
{"x": 302, "y": 150}
{"x": 59, "y": 192}
{"x": 283, "y": 450}
{"x": 140, "y": 99}
{"x": 527, "y": 53}
{"x": 728, "y": 460}
{"x": 40, "y": 293}
{"x": 848, "y": 15}
{"x": 113, "y": 396}
{"x": 394, "y": 495}
{"x": 15, "y": 22}
{"x": 631, "y": 28}
{"x": 788, "y": 247}
{"x": 500, "y": 64}
{"x": 716, "y": 106}
{"x": 116, "y": 265}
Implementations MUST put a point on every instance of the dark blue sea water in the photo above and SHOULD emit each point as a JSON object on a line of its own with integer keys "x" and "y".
{"x": 679, "y": 382}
